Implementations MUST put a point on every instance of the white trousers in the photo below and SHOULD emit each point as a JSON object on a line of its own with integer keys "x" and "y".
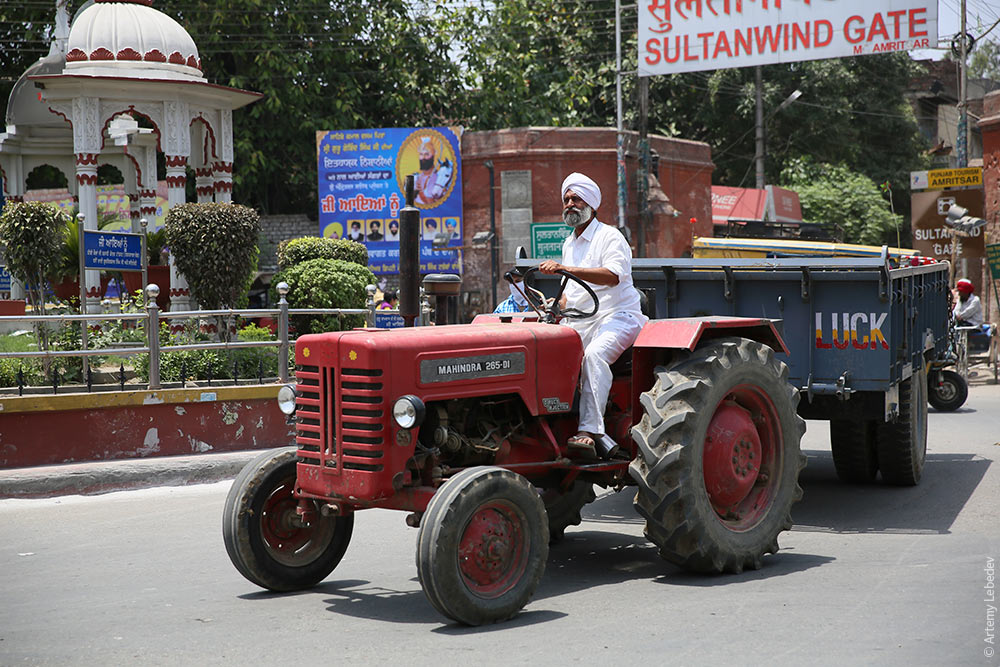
{"x": 603, "y": 342}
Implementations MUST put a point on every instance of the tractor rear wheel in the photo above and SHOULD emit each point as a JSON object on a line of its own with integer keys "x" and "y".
{"x": 265, "y": 537}
{"x": 902, "y": 445}
{"x": 563, "y": 509}
{"x": 719, "y": 457}
{"x": 482, "y": 545}
{"x": 947, "y": 390}
{"x": 853, "y": 445}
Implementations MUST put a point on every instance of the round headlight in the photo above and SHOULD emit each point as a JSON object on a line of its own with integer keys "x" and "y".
{"x": 286, "y": 399}
{"x": 408, "y": 411}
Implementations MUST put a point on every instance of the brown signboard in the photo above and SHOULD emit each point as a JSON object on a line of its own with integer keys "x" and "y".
{"x": 933, "y": 238}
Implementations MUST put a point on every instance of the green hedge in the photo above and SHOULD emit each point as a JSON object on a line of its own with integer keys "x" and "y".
{"x": 325, "y": 283}
{"x": 296, "y": 251}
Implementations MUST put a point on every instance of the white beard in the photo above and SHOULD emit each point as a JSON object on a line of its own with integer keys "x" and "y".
{"x": 578, "y": 217}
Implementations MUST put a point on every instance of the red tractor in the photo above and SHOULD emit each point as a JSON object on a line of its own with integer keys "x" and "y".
{"x": 465, "y": 428}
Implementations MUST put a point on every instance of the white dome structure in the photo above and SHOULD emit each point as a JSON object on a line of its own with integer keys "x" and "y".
{"x": 122, "y": 60}
{"x": 130, "y": 38}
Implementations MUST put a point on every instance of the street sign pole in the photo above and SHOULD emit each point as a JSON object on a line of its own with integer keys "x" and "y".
{"x": 83, "y": 291}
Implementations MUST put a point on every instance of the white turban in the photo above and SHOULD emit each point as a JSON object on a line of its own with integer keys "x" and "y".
{"x": 584, "y": 187}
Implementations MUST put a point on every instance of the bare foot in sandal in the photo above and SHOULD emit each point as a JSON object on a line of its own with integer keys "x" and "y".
{"x": 581, "y": 445}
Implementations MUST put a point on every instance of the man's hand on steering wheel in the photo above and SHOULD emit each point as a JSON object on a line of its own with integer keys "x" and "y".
{"x": 553, "y": 308}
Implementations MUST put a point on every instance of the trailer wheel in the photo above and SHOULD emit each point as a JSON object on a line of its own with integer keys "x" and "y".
{"x": 718, "y": 457}
{"x": 482, "y": 545}
{"x": 902, "y": 445}
{"x": 563, "y": 509}
{"x": 853, "y": 444}
{"x": 265, "y": 537}
{"x": 947, "y": 390}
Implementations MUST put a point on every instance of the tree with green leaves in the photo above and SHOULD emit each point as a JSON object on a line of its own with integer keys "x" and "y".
{"x": 32, "y": 236}
{"x": 843, "y": 200}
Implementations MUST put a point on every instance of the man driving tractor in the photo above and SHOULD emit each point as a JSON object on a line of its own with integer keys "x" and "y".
{"x": 598, "y": 254}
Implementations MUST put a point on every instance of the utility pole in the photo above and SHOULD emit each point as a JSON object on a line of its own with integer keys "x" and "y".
{"x": 644, "y": 164}
{"x": 962, "y": 143}
{"x": 759, "y": 153}
{"x": 620, "y": 141}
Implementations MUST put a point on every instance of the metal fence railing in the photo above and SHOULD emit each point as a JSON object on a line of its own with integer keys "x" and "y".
{"x": 151, "y": 319}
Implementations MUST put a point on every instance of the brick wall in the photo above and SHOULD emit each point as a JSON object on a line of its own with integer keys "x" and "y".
{"x": 277, "y": 228}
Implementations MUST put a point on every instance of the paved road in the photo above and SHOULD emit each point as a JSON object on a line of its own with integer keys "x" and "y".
{"x": 870, "y": 574}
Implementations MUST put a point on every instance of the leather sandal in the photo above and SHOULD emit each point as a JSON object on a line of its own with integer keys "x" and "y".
{"x": 581, "y": 445}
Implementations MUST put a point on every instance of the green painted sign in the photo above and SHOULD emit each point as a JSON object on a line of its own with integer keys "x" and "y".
{"x": 993, "y": 257}
{"x": 547, "y": 239}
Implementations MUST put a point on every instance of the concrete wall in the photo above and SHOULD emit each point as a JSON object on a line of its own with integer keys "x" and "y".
{"x": 65, "y": 428}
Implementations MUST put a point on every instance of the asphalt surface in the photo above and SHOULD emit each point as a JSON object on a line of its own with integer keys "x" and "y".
{"x": 869, "y": 574}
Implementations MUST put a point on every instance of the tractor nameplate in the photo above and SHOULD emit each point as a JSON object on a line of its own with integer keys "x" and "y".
{"x": 471, "y": 368}
{"x": 555, "y": 405}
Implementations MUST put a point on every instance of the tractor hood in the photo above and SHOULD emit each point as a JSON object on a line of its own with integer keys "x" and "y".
{"x": 539, "y": 362}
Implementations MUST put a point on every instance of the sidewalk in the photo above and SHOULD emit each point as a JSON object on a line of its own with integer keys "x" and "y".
{"x": 94, "y": 477}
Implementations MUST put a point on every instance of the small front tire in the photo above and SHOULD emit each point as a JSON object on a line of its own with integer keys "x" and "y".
{"x": 264, "y": 536}
{"x": 482, "y": 545}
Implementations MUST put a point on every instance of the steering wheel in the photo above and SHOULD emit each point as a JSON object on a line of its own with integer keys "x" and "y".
{"x": 552, "y": 311}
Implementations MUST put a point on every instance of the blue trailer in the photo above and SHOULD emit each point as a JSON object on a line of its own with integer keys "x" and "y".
{"x": 859, "y": 333}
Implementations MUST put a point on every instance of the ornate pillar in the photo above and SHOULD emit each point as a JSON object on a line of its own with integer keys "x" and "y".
{"x": 86, "y": 182}
{"x": 204, "y": 184}
{"x": 87, "y": 146}
{"x": 223, "y": 174}
{"x": 180, "y": 293}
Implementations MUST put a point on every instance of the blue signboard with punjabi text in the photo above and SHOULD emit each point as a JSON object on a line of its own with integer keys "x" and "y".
{"x": 362, "y": 176}
{"x": 112, "y": 251}
{"x": 5, "y": 279}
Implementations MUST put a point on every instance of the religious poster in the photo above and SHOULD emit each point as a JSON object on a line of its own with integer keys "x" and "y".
{"x": 362, "y": 178}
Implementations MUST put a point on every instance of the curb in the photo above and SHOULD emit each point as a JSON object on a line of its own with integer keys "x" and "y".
{"x": 98, "y": 477}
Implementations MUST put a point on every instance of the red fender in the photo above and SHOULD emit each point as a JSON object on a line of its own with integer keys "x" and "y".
{"x": 684, "y": 333}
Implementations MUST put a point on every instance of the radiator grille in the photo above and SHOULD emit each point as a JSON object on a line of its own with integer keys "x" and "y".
{"x": 357, "y": 420}
{"x": 362, "y": 417}
{"x": 309, "y": 427}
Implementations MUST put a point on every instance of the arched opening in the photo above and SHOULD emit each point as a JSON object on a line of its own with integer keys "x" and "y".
{"x": 46, "y": 177}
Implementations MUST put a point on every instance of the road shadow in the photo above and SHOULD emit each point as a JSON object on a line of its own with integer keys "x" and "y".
{"x": 829, "y": 505}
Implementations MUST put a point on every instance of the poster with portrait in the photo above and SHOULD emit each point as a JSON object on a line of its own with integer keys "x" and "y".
{"x": 362, "y": 179}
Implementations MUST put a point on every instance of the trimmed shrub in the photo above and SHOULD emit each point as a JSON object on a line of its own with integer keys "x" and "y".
{"x": 296, "y": 251}
{"x": 325, "y": 283}
{"x": 33, "y": 235}
{"x": 215, "y": 247}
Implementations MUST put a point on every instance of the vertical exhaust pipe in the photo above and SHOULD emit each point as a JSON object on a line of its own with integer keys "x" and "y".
{"x": 409, "y": 258}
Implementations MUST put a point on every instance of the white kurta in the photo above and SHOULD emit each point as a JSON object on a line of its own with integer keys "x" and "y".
{"x": 617, "y": 322}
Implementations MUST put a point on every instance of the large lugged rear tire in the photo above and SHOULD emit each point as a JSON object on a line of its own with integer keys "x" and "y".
{"x": 719, "y": 457}
{"x": 902, "y": 445}
{"x": 853, "y": 444}
{"x": 947, "y": 390}
{"x": 482, "y": 545}
{"x": 264, "y": 536}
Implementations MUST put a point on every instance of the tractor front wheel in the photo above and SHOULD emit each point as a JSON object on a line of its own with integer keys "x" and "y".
{"x": 482, "y": 545}
{"x": 267, "y": 540}
{"x": 718, "y": 457}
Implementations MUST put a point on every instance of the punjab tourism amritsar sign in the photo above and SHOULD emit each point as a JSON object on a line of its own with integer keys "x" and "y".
{"x": 693, "y": 35}
{"x": 362, "y": 175}
{"x": 937, "y": 179}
